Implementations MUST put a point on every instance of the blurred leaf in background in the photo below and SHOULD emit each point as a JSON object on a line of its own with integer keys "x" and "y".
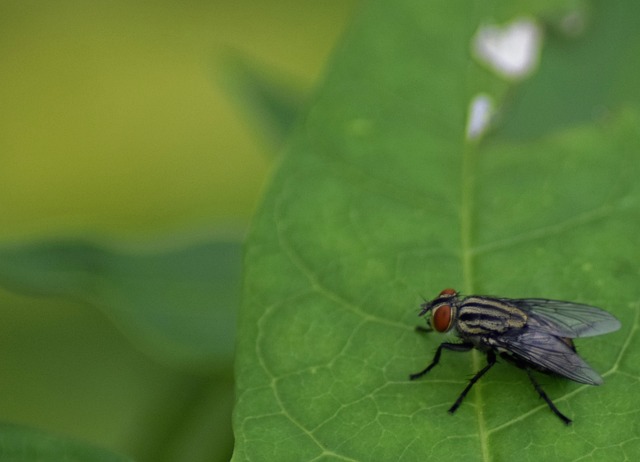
{"x": 25, "y": 445}
{"x": 132, "y": 150}
{"x": 381, "y": 197}
{"x": 272, "y": 102}
{"x": 176, "y": 303}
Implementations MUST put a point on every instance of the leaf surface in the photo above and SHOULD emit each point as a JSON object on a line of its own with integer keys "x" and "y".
{"x": 379, "y": 201}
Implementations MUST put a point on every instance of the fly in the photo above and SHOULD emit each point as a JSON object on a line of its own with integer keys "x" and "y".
{"x": 531, "y": 333}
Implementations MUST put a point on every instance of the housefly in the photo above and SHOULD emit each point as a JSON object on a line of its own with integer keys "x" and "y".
{"x": 534, "y": 334}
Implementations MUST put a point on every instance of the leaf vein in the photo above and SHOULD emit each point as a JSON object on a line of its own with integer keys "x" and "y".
{"x": 591, "y": 216}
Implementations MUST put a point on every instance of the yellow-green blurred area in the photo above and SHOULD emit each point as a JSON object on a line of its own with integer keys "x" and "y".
{"x": 112, "y": 116}
{"x": 134, "y": 144}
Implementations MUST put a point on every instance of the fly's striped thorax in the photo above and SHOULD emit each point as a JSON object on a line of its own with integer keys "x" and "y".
{"x": 482, "y": 316}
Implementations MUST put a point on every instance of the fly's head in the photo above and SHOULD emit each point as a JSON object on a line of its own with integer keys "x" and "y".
{"x": 443, "y": 309}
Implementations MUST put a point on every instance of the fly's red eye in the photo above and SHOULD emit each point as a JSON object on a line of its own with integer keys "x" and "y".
{"x": 447, "y": 293}
{"x": 441, "y": 318}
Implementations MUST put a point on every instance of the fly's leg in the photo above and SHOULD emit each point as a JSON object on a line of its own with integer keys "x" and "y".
{"x": 436, "y": 358}
{"x": 491, "y": 360}
{"x": 544, "y": 396}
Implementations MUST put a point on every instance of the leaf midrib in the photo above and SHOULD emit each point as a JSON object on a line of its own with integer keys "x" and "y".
{"x": 467, "y": 186}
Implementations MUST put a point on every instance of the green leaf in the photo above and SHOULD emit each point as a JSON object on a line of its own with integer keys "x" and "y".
{"x": 381, "y": 200}
{"x": 584, "y": 77}
{"x": 22, "y": 444}
{"x": 177, "y": 303}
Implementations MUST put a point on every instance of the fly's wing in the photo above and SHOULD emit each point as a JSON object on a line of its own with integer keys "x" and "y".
{"x": 549, "y": 353}
{"x": 566, "y": 319}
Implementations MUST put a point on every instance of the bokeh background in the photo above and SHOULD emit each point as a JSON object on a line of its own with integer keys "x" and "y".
{"x": 135, "y": 140}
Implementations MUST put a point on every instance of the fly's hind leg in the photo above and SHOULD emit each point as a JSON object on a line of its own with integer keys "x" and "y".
{"x": 544, "y": 396}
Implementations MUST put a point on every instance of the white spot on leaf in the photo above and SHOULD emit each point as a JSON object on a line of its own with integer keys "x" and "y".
{"x": 512, "y": 51}
{"x": 481, "y": 110}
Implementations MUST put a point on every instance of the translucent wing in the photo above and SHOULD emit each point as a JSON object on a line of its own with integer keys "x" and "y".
{"x": 566, "y": 319}
{"x": 549, "y": 353}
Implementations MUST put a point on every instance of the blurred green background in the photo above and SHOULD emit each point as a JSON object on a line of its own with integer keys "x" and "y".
{"x": 135, "y": 139}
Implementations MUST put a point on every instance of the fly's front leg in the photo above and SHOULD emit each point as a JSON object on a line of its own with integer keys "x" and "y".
{"x": 436, "y": 358}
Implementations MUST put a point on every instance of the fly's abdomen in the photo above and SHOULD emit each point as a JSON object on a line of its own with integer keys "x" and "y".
{"x": 485, "y": 316}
